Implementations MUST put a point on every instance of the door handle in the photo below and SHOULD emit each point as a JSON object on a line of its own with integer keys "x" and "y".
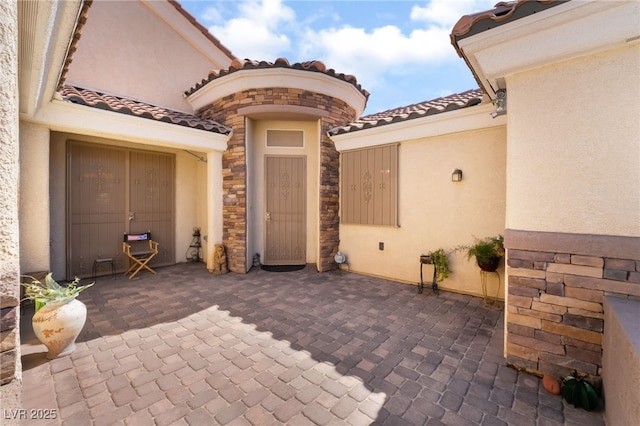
{"x": 132, "y": 216}
{"x": 268, "y": 216}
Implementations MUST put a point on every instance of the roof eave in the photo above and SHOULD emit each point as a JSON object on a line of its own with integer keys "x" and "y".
{"x": 277, "y": 76}
{"x": 65, "y": 116}
{"x": 461, "y": 120}
{"x": 503, "y": 13}
{"x": 183, "y": 23}
{"x": 45, "y": 35}
{"x": 532, "y": 41}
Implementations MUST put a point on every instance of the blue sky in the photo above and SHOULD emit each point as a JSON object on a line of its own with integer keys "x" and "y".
{"x": 398, "y": 50}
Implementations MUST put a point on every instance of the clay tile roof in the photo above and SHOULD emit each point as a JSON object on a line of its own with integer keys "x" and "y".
{"x": 410, "y": 112}
{"x": 247, "y": 64}
{"x": 139, "y": 109}
{"x": 502, "y": 13}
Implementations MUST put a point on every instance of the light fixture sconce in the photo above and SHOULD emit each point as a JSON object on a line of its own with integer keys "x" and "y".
{"x": 456, "y": 176}
{"x": 501, "y": 103}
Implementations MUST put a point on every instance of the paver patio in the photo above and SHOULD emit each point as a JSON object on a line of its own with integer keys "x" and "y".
{"x": 298, "y": 348}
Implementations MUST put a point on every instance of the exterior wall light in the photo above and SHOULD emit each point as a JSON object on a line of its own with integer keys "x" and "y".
{"x": 501, "y": 103}
{"x": 456, "y": 176}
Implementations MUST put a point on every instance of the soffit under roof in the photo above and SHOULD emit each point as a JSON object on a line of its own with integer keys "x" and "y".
{"x": 502, "y": 13}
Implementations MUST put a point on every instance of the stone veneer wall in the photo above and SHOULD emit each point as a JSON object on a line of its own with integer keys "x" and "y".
{"x": 556, "y": 288}
{"x": 234, "y": 166}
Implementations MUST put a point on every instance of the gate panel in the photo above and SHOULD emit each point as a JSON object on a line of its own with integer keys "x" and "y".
{"x": 111, "y": 191}
{"x": 285, "y": 217}
{"x": 152, "y": 200}
{"x": 96, "y": 206}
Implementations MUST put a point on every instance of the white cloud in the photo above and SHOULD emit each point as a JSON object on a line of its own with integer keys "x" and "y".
{"x": 368, "y": 54}
{"x": 256, "y": 32}
{"x": 445, "y": 13}
{"x": 248, "y": 40}
{"x": 267, "y": 29}
{"x": 211, "y": 14}
{"x": 269, "y": 13}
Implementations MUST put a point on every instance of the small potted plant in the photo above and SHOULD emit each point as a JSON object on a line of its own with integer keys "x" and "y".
{"x": 440, "y": 260}
{"x": 487, "y": 251}
{"x": 59, "y": 317}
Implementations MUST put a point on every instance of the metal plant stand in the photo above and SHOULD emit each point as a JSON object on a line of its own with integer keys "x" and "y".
{"x": 426, "y": 260}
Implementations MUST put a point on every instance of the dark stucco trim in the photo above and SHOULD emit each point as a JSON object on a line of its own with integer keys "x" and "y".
{"x": 612, "y": 246}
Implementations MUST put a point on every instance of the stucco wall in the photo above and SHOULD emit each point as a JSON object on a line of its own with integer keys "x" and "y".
{"x": 10, "y": 368}
{"x": 574, "y": 146}
{"x": 435, "y": 212}
{"x": 119, "y": 33}
{"x": 573, "y": 206}
{"x": 191, "y": 202}
{"x": 34, "y": 198}
{"x": 256, "y": 179}
{"x": 621, "y": 360}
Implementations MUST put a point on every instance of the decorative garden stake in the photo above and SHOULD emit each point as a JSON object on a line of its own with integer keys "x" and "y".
{"x": 579, "y": 392}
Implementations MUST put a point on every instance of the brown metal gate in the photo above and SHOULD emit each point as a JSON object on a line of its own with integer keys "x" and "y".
{"x": 285, "y": 217}
{"x": 115, "y": 190}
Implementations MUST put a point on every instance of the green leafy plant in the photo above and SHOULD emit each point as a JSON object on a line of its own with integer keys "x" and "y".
{"x": 41, "y": 293}
{"x": 487, "y": 251}
{"x": 579, "y": 392}
{"x": 440, "y": 259}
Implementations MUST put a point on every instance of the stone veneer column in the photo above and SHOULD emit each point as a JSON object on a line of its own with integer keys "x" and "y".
{"x": 9, "y": 220}
{"x": 234, "y": 167}
{"x": 556, "y": 288}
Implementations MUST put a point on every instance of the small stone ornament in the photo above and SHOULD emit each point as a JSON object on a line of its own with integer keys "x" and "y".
{"x": 219, "y": 260}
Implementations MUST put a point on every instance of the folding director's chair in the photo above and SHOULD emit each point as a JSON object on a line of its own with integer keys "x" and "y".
{"x": 144, "y": 249}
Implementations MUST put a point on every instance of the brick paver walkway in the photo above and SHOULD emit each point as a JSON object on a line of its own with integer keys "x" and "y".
{"x": 185, "y": 347}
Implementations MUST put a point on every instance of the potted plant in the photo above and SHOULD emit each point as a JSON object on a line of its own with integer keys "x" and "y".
{"x": 487, "y": 251}
{"x": 59, "y": 316}
{"x": 440, "y": 260}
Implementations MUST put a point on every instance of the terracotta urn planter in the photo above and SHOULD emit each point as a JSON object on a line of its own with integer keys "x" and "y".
{"x": 59, "y": 317}
{"x": 57, "y": 325}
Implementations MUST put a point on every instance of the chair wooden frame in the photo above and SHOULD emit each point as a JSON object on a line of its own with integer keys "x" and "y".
{"x": 139, "y": 259}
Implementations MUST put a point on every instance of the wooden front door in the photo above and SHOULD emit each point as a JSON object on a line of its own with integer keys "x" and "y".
{"x": 112, "y": 191}
{"x": 285, "y": 215}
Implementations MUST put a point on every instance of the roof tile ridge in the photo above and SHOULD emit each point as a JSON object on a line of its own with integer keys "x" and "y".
{"x": 123, "y": 105}
{"x": 81, "y": 20}
{"x": 434, "y": 106}
{"x": 248, "y": 64}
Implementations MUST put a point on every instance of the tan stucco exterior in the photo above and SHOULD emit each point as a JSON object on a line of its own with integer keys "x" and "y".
{"x": 573, "y": 180}
{"x": 574, "y": 151}
{"x": 34, "y": 198}
{"x": 10, "y": 365}
{"x": 118, "y": 34}
{"x": 435, "y": 212}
